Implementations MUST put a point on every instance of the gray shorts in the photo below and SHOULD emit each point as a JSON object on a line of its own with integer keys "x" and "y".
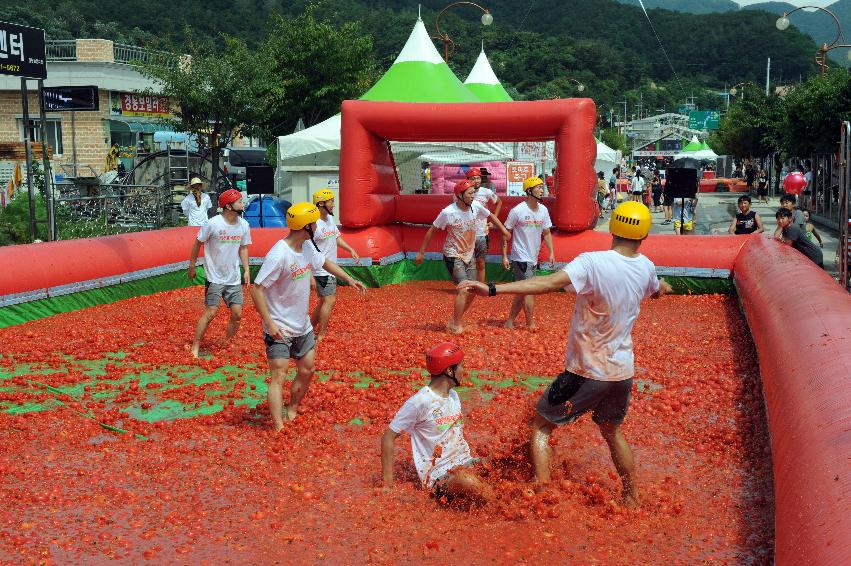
{"x": 214, "y": 293}
{"x": 326, "y": 285}
{"x": 295, "y": 347}
{"x": 482, "y": 243}
{"x": 522, "y": 270}
{"x": 460, "y": 271}
{"x": 571, "y": 395}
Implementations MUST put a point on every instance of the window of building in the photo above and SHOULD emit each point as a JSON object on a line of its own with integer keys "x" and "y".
{"x": 53, "y": 127}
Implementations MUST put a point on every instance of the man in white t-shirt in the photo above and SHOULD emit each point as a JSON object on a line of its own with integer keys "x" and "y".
{"x": 528, "y": 222}
{"x": 433, "y": 419}
{"x": 485, "y": 197}
{"x": 225, "y": 238}
{"x": 459, "y": 220}
{"x": 327, "y": 238}
{"x": 281, "y": 295}
{"x": 599, "y": 364}
{"x": 196, "y": 204}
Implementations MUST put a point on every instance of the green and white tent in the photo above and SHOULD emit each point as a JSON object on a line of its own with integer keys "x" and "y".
{"x": 483, "y": 83}
{"x": 419, "y": 74}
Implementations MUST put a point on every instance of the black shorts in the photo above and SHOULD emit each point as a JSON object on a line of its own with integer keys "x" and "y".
{"x": 570, "y": 396}
{"x": 762, "y": 191}
{"x": 667, "y": 201}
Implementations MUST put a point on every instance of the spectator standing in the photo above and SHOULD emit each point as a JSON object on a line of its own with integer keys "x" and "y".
{"x": 656, "y": 185}
{"x": 762, "y": 186}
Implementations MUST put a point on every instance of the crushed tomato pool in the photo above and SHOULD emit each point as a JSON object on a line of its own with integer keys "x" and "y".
{"x": 118, "y": 445}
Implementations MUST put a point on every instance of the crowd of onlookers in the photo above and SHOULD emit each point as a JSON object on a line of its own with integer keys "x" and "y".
{"x": 644, "y": 184}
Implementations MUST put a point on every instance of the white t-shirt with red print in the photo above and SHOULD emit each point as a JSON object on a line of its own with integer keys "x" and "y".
{"x": 221, "y": 248}
{"x": 326, "y": 238}
{"x": 433, "y": 421}
{"x": 609, "y": 289}
{"x": 526, "y": 227}
{"x": 484, "y": 196}
{"x": 460, "y": 226}
{"x": 285, "y": 278}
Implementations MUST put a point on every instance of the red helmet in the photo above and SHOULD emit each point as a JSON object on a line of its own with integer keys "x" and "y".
{"x": 442, "y": 357}
{"x": 230, "y": 196}
{"x": 474, "y": 172}
{"x": 462, "y": 186}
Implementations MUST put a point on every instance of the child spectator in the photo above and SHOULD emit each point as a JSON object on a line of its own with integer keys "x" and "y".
{"x": 793, "y": 235}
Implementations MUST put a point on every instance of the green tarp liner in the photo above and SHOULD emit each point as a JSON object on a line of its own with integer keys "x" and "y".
{"x": 372, "y": 276}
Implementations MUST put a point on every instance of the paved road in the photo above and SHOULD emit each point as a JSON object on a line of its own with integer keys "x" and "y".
{"x": 715, "y": 210}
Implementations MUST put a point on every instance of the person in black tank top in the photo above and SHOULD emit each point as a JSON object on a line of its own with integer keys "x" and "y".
{"x": 746, "y": 220}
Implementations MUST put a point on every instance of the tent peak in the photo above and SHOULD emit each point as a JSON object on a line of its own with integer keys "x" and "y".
{"x": 482, "y": 72}
{"x": 419, "y": 47}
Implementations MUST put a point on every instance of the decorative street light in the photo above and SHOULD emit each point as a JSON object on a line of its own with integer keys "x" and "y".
{"x": 487, "y": 19}
{"x": 579, "y": 86}
{"x": 821, "y": 56}
{"x": 734, "y": 89}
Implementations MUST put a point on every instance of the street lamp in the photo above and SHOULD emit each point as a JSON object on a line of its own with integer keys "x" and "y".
{"x": 782, "y": 24}
{"x": 734, "y": 90}
{"x": 487, "y": 19}
{"x": 579, "y": 86}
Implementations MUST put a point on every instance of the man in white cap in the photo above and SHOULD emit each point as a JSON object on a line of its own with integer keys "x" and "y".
{"x": 196, "y": 203}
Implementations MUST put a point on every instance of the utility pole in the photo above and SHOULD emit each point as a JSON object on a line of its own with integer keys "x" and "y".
{"x": 767, "y": 75}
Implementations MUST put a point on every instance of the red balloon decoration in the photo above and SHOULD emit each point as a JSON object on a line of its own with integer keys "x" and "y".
{"x": 795, "y": 183}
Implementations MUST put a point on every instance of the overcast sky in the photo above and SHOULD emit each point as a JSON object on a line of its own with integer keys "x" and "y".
{"x": 821, "y": 3}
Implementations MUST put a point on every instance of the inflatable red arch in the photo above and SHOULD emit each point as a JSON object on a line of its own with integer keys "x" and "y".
{"x": 799, "y": 317}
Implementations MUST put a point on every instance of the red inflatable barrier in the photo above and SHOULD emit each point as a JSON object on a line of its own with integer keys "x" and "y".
{"x": 50, "y": 264}
{"x": 800, "y": 320}
{"x": 366, "y": 163}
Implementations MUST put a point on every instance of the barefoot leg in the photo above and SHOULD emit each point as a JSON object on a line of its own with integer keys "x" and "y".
{"x": 206, "y": 317}
{"x": 464, "y": 482}
{"x": 623, "y": 460}
{"x": 301, "y": 383}
{"x": 540, "y": 451}
{"x": 278, "y": 368}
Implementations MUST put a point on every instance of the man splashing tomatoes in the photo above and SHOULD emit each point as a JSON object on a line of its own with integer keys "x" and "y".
{"x": 599, "y": 364}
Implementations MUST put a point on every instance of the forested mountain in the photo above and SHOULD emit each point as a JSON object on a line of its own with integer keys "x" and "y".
{"x": 533, "y": 46}
{"x": 818, "y": 25}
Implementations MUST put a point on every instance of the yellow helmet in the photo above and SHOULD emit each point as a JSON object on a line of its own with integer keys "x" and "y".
{"x": 631, "y": 220}
{"x": 531, "y": 183}
{"x": 322, "y": 195}
{"x": 301, "y": 214}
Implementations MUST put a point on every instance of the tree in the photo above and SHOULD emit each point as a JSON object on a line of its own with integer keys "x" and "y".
{"x": 314, "y": 66}
{"x": 750, "y": 128}
{"x": 220, "y": 93}
{"x": 614, "y": 139}
{"x": 813, "y": 112}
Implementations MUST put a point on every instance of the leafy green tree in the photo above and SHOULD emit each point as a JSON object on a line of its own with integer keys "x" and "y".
{"x": 614, "y": 139}
{"x": 813, "y": 111}
{"x": 313, "y": 67}
{"x": 221, "y": 93}
{"x": 751, "y": 126}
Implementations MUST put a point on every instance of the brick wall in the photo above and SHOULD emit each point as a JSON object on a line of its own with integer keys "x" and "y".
{"x": 90, "y": 129}
{"x": 98, "y": 50}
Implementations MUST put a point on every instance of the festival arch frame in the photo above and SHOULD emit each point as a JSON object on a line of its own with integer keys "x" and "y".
{"x": 368, "y": 173}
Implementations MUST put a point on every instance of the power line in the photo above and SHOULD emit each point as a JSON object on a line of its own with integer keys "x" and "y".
{"x": 529, "y": 9}
{"x": 661, "y": 45}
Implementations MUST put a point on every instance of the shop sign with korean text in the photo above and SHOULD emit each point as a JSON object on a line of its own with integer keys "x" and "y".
{"x": 516, "y": 173}
{"x": 22, "y": 51}
{"x": 139, "y": 105}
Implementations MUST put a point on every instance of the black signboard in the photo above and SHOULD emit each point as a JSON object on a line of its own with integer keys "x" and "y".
{"x": 260, "y": 180}
{"x": 22, "y": 51}
{"x": 80, "y": 98}
{"x": 680, "y": 182}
